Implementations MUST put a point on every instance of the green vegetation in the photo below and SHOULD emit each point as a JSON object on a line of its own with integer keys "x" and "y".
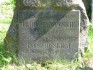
{"x": 8, "y": 60}
{"x": 6, "y": 11}
{"x": 89, "y": 52}
{"x": 6, "y": 14}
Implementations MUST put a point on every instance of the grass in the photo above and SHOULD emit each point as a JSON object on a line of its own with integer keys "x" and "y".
{"x": 8, "y": 60}
{"x": 57, "y": 65}
{"x": 6, "y": 14}
{"x": 6, "y": 11}
{"x": 5, "y": 56}
{"x": 89, "y": 52}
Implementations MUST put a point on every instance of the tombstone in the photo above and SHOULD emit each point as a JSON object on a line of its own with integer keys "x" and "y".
{"x": 47, "y": 30}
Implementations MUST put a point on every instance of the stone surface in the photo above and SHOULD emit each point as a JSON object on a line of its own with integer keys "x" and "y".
{"x": 27, "y": 8}
{"x": 11, "y": 39}
{"x": 63, "y": 5}
{"x": 48, "y": 35}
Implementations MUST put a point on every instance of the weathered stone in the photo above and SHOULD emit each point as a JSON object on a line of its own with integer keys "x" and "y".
{"x": 48, "y": 35}
{"x": 11, "y": 39}
{"x": 27, "y": 8}
{"x": 63, "y": 4}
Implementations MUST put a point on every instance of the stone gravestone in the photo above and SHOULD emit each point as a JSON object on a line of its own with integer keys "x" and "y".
{"x": 47, "y": 30}
{"x": 48, "y": 34}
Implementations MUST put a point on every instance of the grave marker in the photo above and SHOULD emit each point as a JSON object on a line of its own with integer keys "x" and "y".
{"x": 48, "y": 34}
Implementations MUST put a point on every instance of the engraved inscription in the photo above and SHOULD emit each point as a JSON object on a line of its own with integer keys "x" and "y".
{"x": 68, "y": 24}
{"x": 48, "y": 35}
{"x": 61, "y": 24}
{"x": 48, "y": 45}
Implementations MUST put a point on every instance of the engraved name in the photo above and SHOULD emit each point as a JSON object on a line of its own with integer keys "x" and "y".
{"x": 48, "y": 45}
{"x": 61, "y": 24}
